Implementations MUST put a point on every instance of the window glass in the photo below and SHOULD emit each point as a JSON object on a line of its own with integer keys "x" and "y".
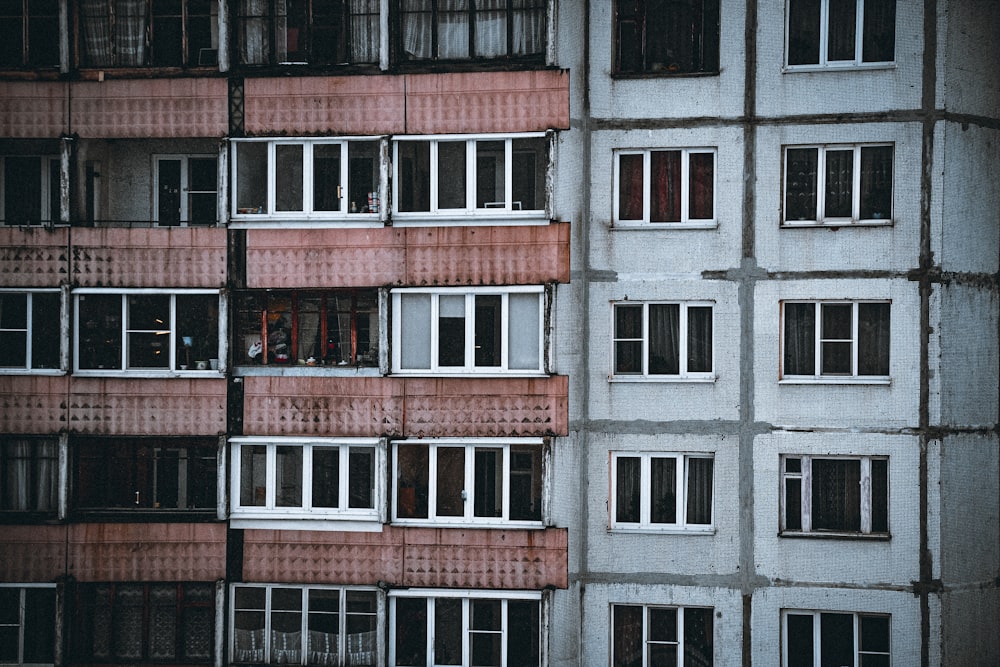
{"x": 845, "y": 494}
{"x": 661, "y": 37}
{"x": 647, "y": 635}
{"x": 251, "y": 177}
{"x": 451, "y": 174}
{"x": 663, "y": 339}
{"x": 288, "y": 173}
{"x": 666, "y": 186}
{"x": 13, "y": 330}
{"x": 459, "y": 29}
{"x": 326, "y": 177}
{"x": 831, "y": 32}
{"x": 490, "y": 174}
{"x": 654, "y": 491}
{"x": 28, "y": 474}
{"x": 852, "y": 337}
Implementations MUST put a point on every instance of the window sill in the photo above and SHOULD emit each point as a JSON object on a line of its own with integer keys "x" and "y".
{"x": 663, "y": 74}
{"x": 662, "y": 226}
{"x": 145, "y": 515}
{"x": 315, "y": 522}
{"x": 469, "y": 374}
{"x": 150, "y": 374}
{"x": 829, "y": 380}
{"x": 838, "y": 67}
{"x": 470, "y": 525}
{"x": 832, "y": 535}
{"x": 667, "y": 379}
{"x": 836, "y": 223}
{"x": 426, "y": 219}
{"x": 625, "y": 530}
{"x": 264, "y": 221}
{"x": 278, "y": 370}
{"x": 32, "y": 371}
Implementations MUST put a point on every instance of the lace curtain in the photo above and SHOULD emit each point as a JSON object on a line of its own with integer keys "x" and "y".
{"x": 490, "y": 29}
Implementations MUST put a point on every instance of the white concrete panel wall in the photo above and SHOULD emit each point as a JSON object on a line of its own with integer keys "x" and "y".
{"x": 970, "y": 35}
{"x": 893, "y": 247}
{"x": 665, "y": 554}
{"x": 862, "y": 405}
{"x": 792, "y": 93}
{"x": 709, "y": 96}
{"x": 727, "y": 622}
{"x": 664, "y": 400}
{"x": 892, "y": 562}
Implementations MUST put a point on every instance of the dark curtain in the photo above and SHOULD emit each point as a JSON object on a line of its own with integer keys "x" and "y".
{"x": 873, "y": 339}
{"x": 663, "y": 490}
{"x": 800, "y": 184}
{"x": 665, "y": 186}
{"x": 630, "y": 187}
{"x": 876, "y": 183}
{"x": 664, "y": 339}
{"x": 839, "y": 184}
{"x": 699, "y": 491}
{"x": 701, "y": 196}
{"x": 879, "y": 39}
{"x": 626, "y": 635}
{"x": 836, "y": 494}
{"x": 699, "y": 339}
{"x": 627, "y": 492}
{"x": 799, "y": 338}
{"x": 803, "y": 32}
{"x": 842, "y": 30}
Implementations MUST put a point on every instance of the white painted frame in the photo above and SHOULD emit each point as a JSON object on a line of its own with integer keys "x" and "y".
{"x": 816, "y": 638}
{"x": 824, "y": 40}
{"x": 645, "y": 375}
{"x": 645, "y": 523}
{"x": 686, "y": 221}
{"x": 806, "y": 496}
{"x": 646, "y": 641}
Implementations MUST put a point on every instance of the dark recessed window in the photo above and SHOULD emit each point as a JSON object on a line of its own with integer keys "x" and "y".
{"x": 664, "y": 37}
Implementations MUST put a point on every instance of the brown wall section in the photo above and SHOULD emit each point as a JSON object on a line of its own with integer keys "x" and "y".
{"x": 516, "y": 255}
{"x": 405, "y": 407}
{"x": 409, "y": 104}
{"x": 33, "y": 109}
{"x": 33, "y": 554}
{"x": 171, "y": 406}
{"x": 406, "y": 556}
{"x": 150, "y": 257}
{"x": 33, "y": 256}
{"x": 34, "y": 404}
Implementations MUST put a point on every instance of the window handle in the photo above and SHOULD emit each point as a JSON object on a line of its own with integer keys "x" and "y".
{"x": 136, "y": 497}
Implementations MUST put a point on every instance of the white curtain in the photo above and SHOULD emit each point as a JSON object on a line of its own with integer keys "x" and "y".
{"x": 130, "y": 32}
{"x": 248, "y": 645}
{"x": 364, "y": 31}
{"x": 254, "y": 32}
{"x": 30, "y": 476}
{"x": 529, "y": 27}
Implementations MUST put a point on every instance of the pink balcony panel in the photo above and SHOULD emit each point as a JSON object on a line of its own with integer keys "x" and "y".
{"x": 149, "y": 257}
{"x": 121, "y": 406}
{"x": 352, "y": 105}
{"x": 359, "y": 406}
{"x": 33, "y": 109}
{"x": 374, "y": 406}
{"x": 280, "y": 258}
{"x": 33, "y": 403}
{"x": 147, "y": 551}
{"x": 33, "y": 256}
{"x": 144, "y": 108}
{"x": 524, "y": 101}
{"x": 409, "y": 556}
{"x": 32, "y": 554}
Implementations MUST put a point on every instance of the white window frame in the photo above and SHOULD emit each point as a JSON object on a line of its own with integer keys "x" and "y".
{"x": 28, "y": 368}
{"x": 824, "y": 38}
{"x": 268, "y": 611}
{"x": 470, "y": 367}
{"x": 645, "y": 523}
{"x": 805, "y": 476}
{"x": 470, "y": 445}
{"x": 22, "y": 588}
{"x": 173, "y": 366}
{"x": 817, "y": 635}
{"x": 368, "y": 518}
{"x": 242, "y": 216}
{"x": 466, "y": 596}
{"x": 508, "y": 210}
{"x": 818, "y": 377}
{"x": 645, "y": 376}
{"x": 856, "y": 193}
{"x": 686, "y": 221}
{"x": 46, "y": 214}
{"x": 184, "y": 159}
{"x": 646, "y": 641}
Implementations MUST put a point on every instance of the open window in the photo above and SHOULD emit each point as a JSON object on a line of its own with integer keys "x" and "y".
{"x": 482, "y": 482}
{"x": 469, "y": 331}
{"x": 824, "y": 495}
{"x": 30, "y": 189}
{"x": 186, "y": 190}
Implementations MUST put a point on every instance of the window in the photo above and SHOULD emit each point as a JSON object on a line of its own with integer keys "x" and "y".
{"x": 30, "y": 330}
{"x": 464, "y": 30}
{"x": 317, "y": 32}
{"x": 305, "y": 625}
{"x": 142, "y": 33}
{"x": 30, "y": 189}
{"x": 661, "y": 340}
{"x": 464, "y": 628}
{"x": 486, "y": 482}
{"x": 29, "y": 475}
{"x": 488, "y": 330}
{"x": 838, "y": 185}
{"x": 146, "y": 474}
{"x": 488, "y": 176}
{"x": 665, "y": 186}
{"x": 835, "y": 339}
{"x": 317, "y": 328}
{"x": 666, "y": 37}
{"x": 151, "y": 622}
{"x": 840, "y": 33}
{"x": 816, "y": 638}
{"x": 835, "y": 495}
{"x": 27, "y": 624}
{"x": 146, "y": 330}
{"x": 321, "y": 479}
{"x": 318, "y": 179}
{"x": 648, "y": 635}
{"x": 186, "y": 188}
{"x": 661, "y": 491}
{"x": 27, "y": 34}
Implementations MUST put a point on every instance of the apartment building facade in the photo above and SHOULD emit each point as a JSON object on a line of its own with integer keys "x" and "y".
{"x": 499, "y": 333}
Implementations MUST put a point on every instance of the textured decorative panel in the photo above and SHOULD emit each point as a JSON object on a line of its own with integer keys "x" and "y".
{"x": 170, "y": 406}
{"x": 33, "y": 403}
{"x": 358, "y": 105}
{"x": 32, "y": 554}
{"x": 366, "y": 406}
{"x": 33, "y": 109}
{"x": 176, "y": 257}
{"x": 140, "y": 108}
{"x": 487, "y": 102}
{"x": 33, "y": 256}
{"x": 432, "y": 557}
{"x": 147, "y": 551}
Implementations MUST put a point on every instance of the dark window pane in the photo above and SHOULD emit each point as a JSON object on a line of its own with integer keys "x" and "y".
{"x": 39, "y": 625}
{"x": 489, "y": 325}
{"x": 839, "y": 183}
{"x": 662, "y": 624}
{"x": 490, "y": 171}
{"x": 288, "y": 477}
{"x": 447, "y": 632}
{"x": 411, "y": 631}
{"x": 450, "y": 481}
{"x": 699, "y": 491}
{"x": 451, "y": 330}
{"x": 836, "y": 494}
{"x": 699, "y": 339}
{"x": 630, "y": 187}
{"x": 874, "y": 633}
{"x": 288, "y": 183}
{"x": 362, "y": 478}
{"x": 525, "y": 483}
{"x": 702, "y": 185}
{"x": 663, "y": 490}
{"x": 23, "y": 175}
{"x": 873, "y": 339}
{"x": 626, "y": 635}
{"x": 11, "y": 55}
{"x": 837, "y": 321}
{"x": 800, "y": 640}
{"x": 793, "y": 504}
{"x": 879, "y": 39}
{"x": 326, "y": 177}
{"x": 799, "y": 339}
{"x": 876, "y": 183}
{"x": 698, "y": 637}
{"x": 488, "y": 482}
{"x": 664, "y": 339}
{"x": 665, "y": 186}
{"x": 837, "y": 345}
{"x": 523, "y": 633}
{"x": 251, "y": 177}
{"x": 326, "y": 477}
{"x": 414, "y": 178}
{"x": 803, "y": 32}
{"x": 836, "y": 639}
{"x": 628, "y": 491}
{"x": 880, "y": 496}
{"x": 485, "y": 624}
{"x": 451, "y": 174}
{"x": 412, "y": 487}
{"x": 529, "y": 163}
{"x": 800, "y": 184}
{"x": 842, "y": 29}
{"x": 253, "y": 475}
